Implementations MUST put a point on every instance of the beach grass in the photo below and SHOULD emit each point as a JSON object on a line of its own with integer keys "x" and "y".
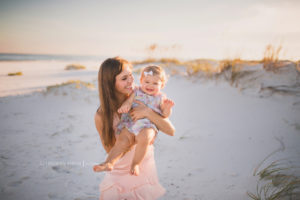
{"x": 75, "y": 67}
{"x": 277, "y": 182}
{"x": 78, "y": 84}
{"x": 232, "y": 70}
{"x": 160, "y": 60}
{"x": 271, "y": 60}
{"x": 145, "y": 61}
{"x": 15, "y": 74}
{"x": 193, "y": 68}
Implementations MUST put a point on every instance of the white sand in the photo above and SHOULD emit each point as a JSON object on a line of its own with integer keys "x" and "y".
{"x": 37, "y": 75}
{"x": 49, "y": 142}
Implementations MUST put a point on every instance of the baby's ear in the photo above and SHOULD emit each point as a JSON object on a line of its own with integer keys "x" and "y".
{"x": 162, "y": 85}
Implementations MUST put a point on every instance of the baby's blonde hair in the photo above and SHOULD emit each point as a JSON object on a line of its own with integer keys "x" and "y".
{"x": 157, "y": 71}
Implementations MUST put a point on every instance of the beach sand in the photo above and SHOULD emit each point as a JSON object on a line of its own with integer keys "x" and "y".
{"x": 49, "y": 142}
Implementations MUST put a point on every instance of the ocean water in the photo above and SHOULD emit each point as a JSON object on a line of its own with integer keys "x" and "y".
{"x": 50, "y": 57}
{"x": 45, "y": 57}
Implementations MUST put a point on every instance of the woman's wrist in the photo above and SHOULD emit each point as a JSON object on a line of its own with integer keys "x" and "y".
{"x": 148, "y": 112}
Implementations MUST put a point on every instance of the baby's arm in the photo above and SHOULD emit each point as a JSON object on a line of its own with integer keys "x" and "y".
{"x": 125, "y": 107}
{"x": 166, "y": 107}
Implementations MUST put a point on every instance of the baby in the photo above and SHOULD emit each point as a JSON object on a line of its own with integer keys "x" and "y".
{"x": 152, "y": 80}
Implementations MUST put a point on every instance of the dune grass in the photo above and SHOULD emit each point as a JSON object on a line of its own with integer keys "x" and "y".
{"x": 78, "y": 84}
{"x": 276, "y": 183}
{"x": 229, "y": 69}
{"x": 271, "y": 57}
{"x": 160, "y": 60}
{"x": 75, "y": 67}
{"x": 270, "y": 62}
{"x": 146, "y": 61}
{"x": 279, "y": 180}
{"x": 15, "y": 74}
{"x": 195, "y": 67}
{"x": 232, "y": 70}
{"x": 199, "y": 65}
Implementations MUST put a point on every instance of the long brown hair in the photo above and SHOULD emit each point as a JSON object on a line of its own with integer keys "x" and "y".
{"x": 109, "y": 102}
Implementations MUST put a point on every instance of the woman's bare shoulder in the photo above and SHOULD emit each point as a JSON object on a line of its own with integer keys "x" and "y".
{"x": 98, "y": 116}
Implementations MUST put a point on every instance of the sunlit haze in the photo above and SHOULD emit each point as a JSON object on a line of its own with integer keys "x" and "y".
{"x": 182, "y": 29}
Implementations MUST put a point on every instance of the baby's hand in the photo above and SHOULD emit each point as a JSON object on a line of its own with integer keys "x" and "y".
{"x": 167, "y": 104}
{"x": 166, "y": 107}
{"x": 124, "y": 108}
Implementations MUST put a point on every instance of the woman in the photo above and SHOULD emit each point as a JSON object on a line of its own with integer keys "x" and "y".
{"x": 115, "y": 84}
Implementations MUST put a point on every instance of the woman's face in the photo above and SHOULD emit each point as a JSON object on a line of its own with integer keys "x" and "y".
{"x": 125, "y": 81}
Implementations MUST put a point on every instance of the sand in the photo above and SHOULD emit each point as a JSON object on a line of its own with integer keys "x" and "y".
{"x": 49, "y": 142}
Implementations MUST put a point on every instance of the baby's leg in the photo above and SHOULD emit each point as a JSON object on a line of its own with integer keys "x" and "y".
{"x": 122, "y": 145}
{"x": 143, "y": 140}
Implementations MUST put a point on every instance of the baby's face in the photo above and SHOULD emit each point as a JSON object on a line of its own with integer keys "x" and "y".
{"x": 151, "y": 84}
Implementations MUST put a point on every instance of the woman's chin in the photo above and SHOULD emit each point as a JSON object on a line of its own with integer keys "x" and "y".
{"x": 130, "y": 91}
{"x": 127, "y": 91}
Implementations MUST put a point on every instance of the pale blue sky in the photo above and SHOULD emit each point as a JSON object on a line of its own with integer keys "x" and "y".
{"x": 199, "y": 29}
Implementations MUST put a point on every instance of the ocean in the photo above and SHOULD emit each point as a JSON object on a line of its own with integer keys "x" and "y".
{"x": 48, "y": 57}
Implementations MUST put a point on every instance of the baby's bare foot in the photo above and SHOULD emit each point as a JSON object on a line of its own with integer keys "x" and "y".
{"x": 135, "y": 170}
{"x": 103, "y": 167}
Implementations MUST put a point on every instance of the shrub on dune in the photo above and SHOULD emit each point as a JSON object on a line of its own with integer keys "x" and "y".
{"x": 161, "y": 60}
{"x": 75, "y": 67}
{"x": 77, "y": 83}
{"x": 170, "y": 60}
{"x": 15, "y": 74}
{"x": 146, "y": 61}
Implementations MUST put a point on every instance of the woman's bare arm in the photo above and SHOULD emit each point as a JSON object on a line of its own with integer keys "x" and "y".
{"x": 163, "y": 124}
{"x": 99, "y": 127}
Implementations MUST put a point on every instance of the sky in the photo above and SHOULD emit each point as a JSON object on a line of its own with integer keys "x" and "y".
{"x": 216, "y": 29}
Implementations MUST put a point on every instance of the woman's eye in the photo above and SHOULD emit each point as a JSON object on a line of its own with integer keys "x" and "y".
{"x": 124, "y": 78}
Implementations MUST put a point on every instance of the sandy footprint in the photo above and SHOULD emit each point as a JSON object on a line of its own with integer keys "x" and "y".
{"x": 52, "y": 196}
{"x": 61, "y": 170}
{"x": 18, "y": 182}
{"x": 230, "y": 187}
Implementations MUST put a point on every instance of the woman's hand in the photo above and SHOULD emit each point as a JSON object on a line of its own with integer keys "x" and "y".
{"x": 124, "y": 108}
{"x": 162, "y": 124}
{"x": 139, "y": 112}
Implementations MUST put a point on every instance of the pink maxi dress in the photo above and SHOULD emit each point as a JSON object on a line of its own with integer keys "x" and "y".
{"x": 119, "y": 184}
